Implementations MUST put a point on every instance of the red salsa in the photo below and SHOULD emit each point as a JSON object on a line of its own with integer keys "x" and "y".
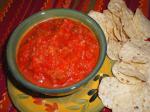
{"x": 57, "y": 53}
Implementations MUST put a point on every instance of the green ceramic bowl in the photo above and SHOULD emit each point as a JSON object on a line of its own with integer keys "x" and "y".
{"x": 43, "y": 15}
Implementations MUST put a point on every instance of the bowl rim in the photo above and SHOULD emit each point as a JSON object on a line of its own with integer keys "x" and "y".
{"x": 11, "y": 63}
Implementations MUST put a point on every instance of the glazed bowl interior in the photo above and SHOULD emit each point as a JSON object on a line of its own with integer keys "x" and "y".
{"x": 41, "y": 16}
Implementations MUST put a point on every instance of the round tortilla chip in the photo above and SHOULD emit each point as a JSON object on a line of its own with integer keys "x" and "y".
{"x": 124, "y": 36}
{"x": 133, "y": 69}
{"x": 115, "y": 6}
{"x": 117, "y": 33}
{"x": 123, "y": 103}
{"x": 110, "y": 25}
{"x": 142, "y": 24}
{"x": 113, "y": 48}
{"x": 136, "y": 27}
{"x": 148, "y": 76}
{"x": 146, "y": 100}
{"x": 100, "y": 19}
{"x": 141, "y": 97}
{"x": 118, "y": 29}
{"x": 130, "y": 30}
{"x": 114, "y": 27}
{"x": 123, "y": 97}
{"x": 144, "y": 45}
{"x": 123, "y": 78}
{"x": 135, "y": 51}
{"x": 109, "y": 88}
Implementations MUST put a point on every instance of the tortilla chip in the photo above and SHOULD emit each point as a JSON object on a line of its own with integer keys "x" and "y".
{"x": 119, "y": 9}
{"x": 115, "y": 6}
{"x": 123, "y": 103}
{"x": 118, "y": 30}
{"x": 110, "y": 25}
{"x": 129, "y": 90}
{"x": 137, "y": 27}
{"x": 146, "y": 100}
{"x": 100, "y": 19}
{"x": 148, "y": 77}
{"x": 142, "y": 24}
{"x": 113, "y": 48}
{"x": 123, "y": 97}
{"x": 124, "y": 78}
{"x": 135, "y": 51}
{"x": 133, "y": 69}
{"x": 109, "y": 88}
{"x": 114, "y": 27}
{"x": 117, "y": 33}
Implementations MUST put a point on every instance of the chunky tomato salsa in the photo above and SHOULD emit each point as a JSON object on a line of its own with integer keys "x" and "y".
{"x": 57, "y": 53}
